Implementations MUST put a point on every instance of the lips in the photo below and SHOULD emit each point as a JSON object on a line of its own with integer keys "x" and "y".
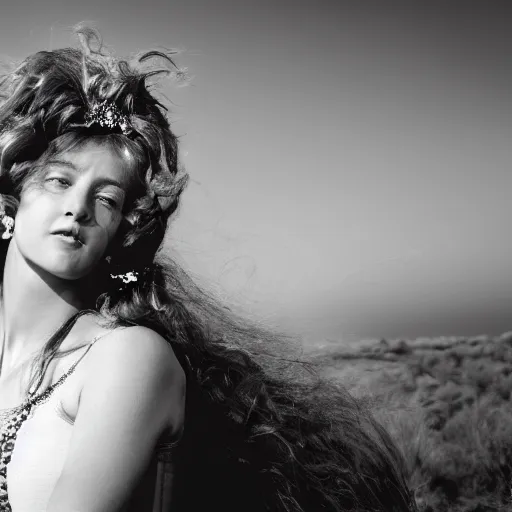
{"x": 71, "y": 234}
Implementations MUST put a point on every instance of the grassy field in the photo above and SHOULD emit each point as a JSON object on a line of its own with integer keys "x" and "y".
{"x": 447, "y": 402}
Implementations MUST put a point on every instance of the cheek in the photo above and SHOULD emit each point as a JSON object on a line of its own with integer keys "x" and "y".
{"x": 32, "y": 215}
{"x": 106, "y": 232}
{"x": 107, "y": 219}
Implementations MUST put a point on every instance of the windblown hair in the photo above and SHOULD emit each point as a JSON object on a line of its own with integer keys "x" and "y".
{"x": 253, "y": 440}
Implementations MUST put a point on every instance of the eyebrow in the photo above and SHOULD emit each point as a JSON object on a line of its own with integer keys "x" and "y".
{"x": 64, "y": 163}
{"x": 69, "y": 165}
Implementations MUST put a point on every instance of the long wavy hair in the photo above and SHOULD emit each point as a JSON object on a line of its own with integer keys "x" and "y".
{"x": 257, "y": 437}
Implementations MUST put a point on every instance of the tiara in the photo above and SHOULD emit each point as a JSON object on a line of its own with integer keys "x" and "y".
{"x": 106, "y": 114}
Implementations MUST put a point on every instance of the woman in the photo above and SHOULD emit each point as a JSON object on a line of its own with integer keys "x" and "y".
{"x": 100, "y": 338}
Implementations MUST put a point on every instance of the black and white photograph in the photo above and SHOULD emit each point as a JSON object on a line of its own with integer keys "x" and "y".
{"x": 255, "y": 256}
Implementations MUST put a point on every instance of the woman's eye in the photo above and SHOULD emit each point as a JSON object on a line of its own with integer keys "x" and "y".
{"x": 55, "y": 180}
{"x": 111, "y": 203}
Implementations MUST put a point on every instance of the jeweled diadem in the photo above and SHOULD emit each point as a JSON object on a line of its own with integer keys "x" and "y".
{"x": 107, "y": 115}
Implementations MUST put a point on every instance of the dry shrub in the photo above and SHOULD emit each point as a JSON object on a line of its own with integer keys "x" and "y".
{"x": 448, "y": 409}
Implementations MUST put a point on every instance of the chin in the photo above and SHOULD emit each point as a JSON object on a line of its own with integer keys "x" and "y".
{"x": 72, "y": 269}
{"x": 60, "y": 271}
{"x": 74, "y": 274}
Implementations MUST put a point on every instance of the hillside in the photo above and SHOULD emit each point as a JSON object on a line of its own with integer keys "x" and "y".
{"x": 447, "y": 403}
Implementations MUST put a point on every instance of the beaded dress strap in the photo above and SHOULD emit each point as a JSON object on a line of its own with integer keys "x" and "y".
{"x": 43, "y": 396}
{"x": 48, "y": 391}
{"x": 15, "y": 418}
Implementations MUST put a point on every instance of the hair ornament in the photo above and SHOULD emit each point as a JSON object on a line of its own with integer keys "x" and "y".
{"x": 106, "y": 114}
{"x": 8, "y": 223}
{"x": 129, "y": 279}
{"x": 126, "y": 278}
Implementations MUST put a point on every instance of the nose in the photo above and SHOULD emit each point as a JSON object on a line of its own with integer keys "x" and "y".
{"x": 77, "y": 205}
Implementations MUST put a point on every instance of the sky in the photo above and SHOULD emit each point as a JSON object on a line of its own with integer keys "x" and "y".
{"x": 349, "y": 161}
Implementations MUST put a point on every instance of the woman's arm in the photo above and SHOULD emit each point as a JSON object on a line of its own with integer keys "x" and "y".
{"x": 134, "y": 391}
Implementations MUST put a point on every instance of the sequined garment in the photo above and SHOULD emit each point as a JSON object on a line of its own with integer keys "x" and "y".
{"x": 11, "y": 421}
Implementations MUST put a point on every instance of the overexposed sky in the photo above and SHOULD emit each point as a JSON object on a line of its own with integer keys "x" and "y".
{"x": 350, "y": 161}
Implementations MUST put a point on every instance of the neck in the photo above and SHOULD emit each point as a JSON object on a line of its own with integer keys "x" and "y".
{"x": 34, "y": 305}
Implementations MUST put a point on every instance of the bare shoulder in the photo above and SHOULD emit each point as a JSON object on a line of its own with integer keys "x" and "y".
{"x": 134, "y": 342}
{"x": 130, "y": 348}
{"x": 137, "y": 362}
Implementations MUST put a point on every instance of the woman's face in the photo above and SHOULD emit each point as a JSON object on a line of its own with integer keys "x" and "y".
{"x": 70, "y": 213}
